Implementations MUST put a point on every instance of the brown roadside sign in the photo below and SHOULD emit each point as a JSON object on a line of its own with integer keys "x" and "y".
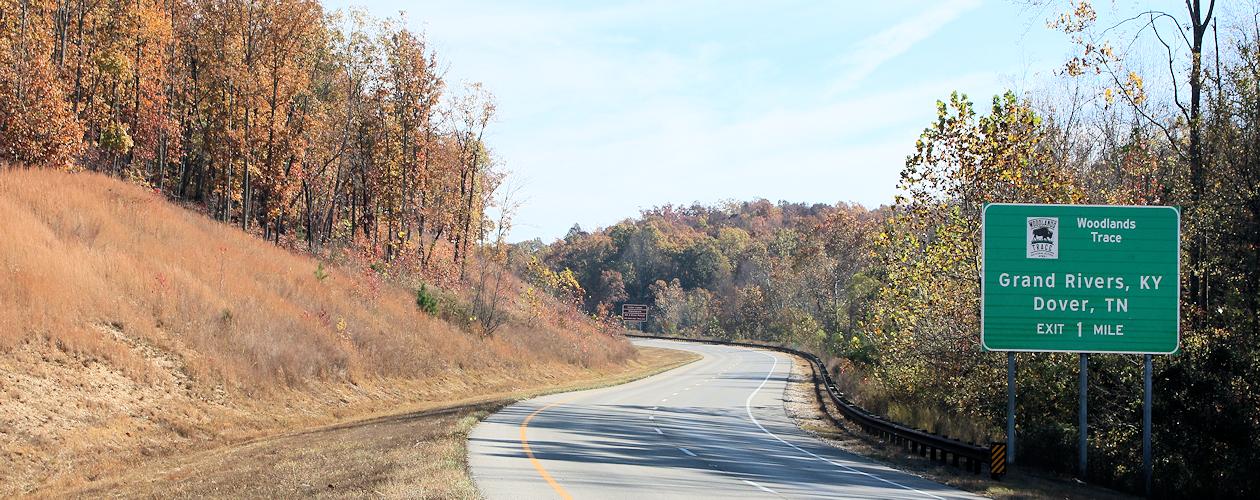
{"x": 634, "y": 312}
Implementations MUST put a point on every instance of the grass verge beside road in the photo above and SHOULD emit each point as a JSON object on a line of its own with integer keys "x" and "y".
{"x": 416, "y": 453}
{"x": 133, "y": 330}
{"x": 803, "y": 406}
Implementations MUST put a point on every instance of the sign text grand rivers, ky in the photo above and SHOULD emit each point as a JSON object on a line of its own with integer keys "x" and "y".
{"x": 1080, "y": 278}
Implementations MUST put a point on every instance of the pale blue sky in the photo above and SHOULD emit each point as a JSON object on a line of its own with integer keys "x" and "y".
{"x": 606, "y": 108}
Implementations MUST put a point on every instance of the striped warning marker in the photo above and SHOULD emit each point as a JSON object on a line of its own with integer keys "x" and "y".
{"x": 997, "y": 460}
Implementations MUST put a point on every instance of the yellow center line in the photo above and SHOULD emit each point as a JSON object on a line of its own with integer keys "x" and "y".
{"x": 530, "y": 453}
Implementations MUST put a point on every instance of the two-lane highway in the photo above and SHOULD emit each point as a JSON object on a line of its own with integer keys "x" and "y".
{"x": 713, "y": 428}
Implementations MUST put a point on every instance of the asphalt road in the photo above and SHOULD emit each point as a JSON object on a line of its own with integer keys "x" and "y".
{"x": 715, "y": 428}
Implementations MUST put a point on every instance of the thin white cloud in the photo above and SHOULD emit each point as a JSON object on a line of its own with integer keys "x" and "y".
{"x": 606, "y": 108}
{"x": 873, "y": 51}
{"x": 676, "y": 151}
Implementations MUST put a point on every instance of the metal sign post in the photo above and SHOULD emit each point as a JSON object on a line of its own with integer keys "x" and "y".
{"x": 1080, "y": 279}
{"x": 1146, "y": 422}
{"x": 1083, "y": 424}
{"x": 1010, "y": 407}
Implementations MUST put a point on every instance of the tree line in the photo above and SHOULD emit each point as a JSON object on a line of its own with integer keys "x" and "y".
{"x": 786, "y": 271}
{"x": 307, "y": 127}
{"x": 892, "y": 294}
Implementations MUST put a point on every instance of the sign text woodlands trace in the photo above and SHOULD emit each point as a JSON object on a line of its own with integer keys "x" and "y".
{"x": 1080, "y": 278}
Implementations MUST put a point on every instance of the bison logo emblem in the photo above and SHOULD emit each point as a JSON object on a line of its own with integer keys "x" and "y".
{"x": 1043, "y": 238}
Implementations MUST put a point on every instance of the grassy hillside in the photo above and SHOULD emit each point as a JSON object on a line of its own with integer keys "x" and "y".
{"x": 131, "y": 328}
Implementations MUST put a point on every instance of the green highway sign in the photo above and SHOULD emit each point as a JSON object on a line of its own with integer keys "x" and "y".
{"x": 1080, "y": 278}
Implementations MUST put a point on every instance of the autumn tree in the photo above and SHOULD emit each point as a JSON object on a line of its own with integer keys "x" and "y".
{"x": 471, "y": 113}
{"x": 926, "y": 320}
{"x": 330, "y": 129}
{"x": 37, "y": 126}
{"x": 1182, "y": 41}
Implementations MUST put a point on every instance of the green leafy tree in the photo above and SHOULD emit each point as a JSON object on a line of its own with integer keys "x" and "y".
{"x": 925, "y": 323}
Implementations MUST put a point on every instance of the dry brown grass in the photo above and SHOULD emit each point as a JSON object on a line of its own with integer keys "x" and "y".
{"x": 871, "y": 396}
{"x": 419, "y": 452}
{"x": 130, "y": 327}
{"x": 802, "y": 404}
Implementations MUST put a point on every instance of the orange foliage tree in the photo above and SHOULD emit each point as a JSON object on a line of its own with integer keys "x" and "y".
{"x": 332, "y": 130}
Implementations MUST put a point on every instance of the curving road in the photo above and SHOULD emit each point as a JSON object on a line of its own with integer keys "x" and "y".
{"x": 713, "y": 428}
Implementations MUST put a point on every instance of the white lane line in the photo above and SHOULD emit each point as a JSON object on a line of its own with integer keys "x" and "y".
{"x": 748, "y": 408}
{"x": 651, "y": 417}
{"x": 654, "y": 408}
{"x": 688, "y": 452}
{"x": 760, "y": 487}
{"x": 674, "y": 394}
{"x": 658, "y": 431}
{"x": 664, "y": 400}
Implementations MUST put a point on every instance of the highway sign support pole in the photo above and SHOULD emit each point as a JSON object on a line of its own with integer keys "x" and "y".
{"x": 1083, "y": 439}
{"x": 1010, "y": 407}
{"x": 1146, "y": 423}
{"x": 1039, "y": 259}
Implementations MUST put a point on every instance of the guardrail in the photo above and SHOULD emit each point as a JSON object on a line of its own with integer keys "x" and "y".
{"x": 968, "y": 456}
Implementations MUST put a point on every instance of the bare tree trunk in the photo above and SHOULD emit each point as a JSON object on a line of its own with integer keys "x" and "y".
{"x": 1199, "y": 24}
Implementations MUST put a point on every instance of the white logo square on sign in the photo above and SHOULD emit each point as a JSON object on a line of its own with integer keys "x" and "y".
{"x": 1043, "y": 238}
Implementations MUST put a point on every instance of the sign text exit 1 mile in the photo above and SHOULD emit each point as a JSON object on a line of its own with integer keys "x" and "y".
{"x": 1080, "y": 278}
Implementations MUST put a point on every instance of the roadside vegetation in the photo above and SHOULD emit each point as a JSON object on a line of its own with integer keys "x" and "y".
{"x": 132, "y": 328}
{"x": 223, "y": 221}
{"x": 359, "y": 258}
{"x": 314, "y": 129}
{"x": 414, "y": 451}
{"x": 891, "y": 294}
{"x": 805, "y": 407}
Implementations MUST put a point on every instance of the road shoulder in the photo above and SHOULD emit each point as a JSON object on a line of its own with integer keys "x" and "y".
{"x": 416, "y": 453}
{"x": 803, "y": 406}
